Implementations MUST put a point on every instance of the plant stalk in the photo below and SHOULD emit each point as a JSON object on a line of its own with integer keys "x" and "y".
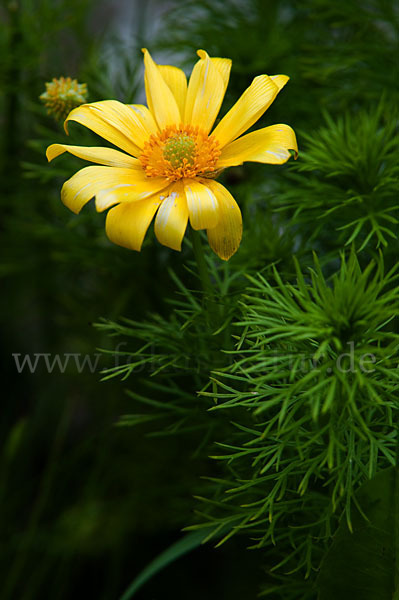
{"x": 202, "y": 267}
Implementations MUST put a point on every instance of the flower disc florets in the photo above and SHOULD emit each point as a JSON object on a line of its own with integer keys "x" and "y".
{"x": 178, "y": 152}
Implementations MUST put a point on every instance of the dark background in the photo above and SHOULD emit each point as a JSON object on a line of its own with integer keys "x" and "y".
{"x": 85, "y": 505}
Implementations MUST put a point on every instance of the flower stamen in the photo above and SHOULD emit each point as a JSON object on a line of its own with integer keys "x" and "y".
{"x": 177, "y": 152}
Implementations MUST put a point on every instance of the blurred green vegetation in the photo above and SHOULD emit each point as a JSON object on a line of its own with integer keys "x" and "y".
{"x": 85, "y": 505}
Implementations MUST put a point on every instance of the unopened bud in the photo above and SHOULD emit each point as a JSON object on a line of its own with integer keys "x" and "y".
{"x": 62, "y": 95}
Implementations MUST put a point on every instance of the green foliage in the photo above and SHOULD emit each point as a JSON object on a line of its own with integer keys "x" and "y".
{"x": 171, "y": 355}
{"x": 316, "y": 365}
{"x": 317, "y": 340}
{"x": 271, "y": 394}
{"x": 352, "y": 180}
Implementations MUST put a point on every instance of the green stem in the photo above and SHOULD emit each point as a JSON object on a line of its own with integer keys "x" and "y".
{"x": 214, "y": 309}
{"x": 201, "y": 263}
{"x": 214, "y": 317}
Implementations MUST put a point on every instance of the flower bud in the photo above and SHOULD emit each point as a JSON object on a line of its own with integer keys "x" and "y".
{"x": 62, "y": 95}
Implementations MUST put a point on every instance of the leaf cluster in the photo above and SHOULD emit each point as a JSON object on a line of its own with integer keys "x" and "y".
{"x": 348, "y": 175}
{"x": 316, "y": 366}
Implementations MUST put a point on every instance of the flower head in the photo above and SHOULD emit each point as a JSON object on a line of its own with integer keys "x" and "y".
{"x": 171, "y": 156}
{"x": 63, "y": 95}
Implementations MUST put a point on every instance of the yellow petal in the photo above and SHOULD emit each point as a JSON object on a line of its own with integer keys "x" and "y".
{"x": 86, "y": 183}
{"x": 225, "y": 238}
{"x": 172, "y": 217}
{"x": 280, "y": 80}
{"x": 115, "y": 122}
{"x": 202, "y": 205}
{"x": 103, "y": 183}
{"x": 100, "y": 155}
{"x": 268, "y": 145}
{"x": 176, "y": 81}
{"x": 141, "y": 188}
{"x": 160, "y": 99}
{"x": 205, "y": 93}
{"x": 127, "y": 224}
{"x": 223, "y": 65}
{"x": 144, "y": 123}
{"x": 247, "y": 110}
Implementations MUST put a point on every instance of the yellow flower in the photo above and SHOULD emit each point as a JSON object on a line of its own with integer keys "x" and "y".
{"x": 62, "y": 95}
{"x": 170, "y": 158}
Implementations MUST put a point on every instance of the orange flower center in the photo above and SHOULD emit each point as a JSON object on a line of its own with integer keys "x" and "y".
{"x": 183, "y": 151}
